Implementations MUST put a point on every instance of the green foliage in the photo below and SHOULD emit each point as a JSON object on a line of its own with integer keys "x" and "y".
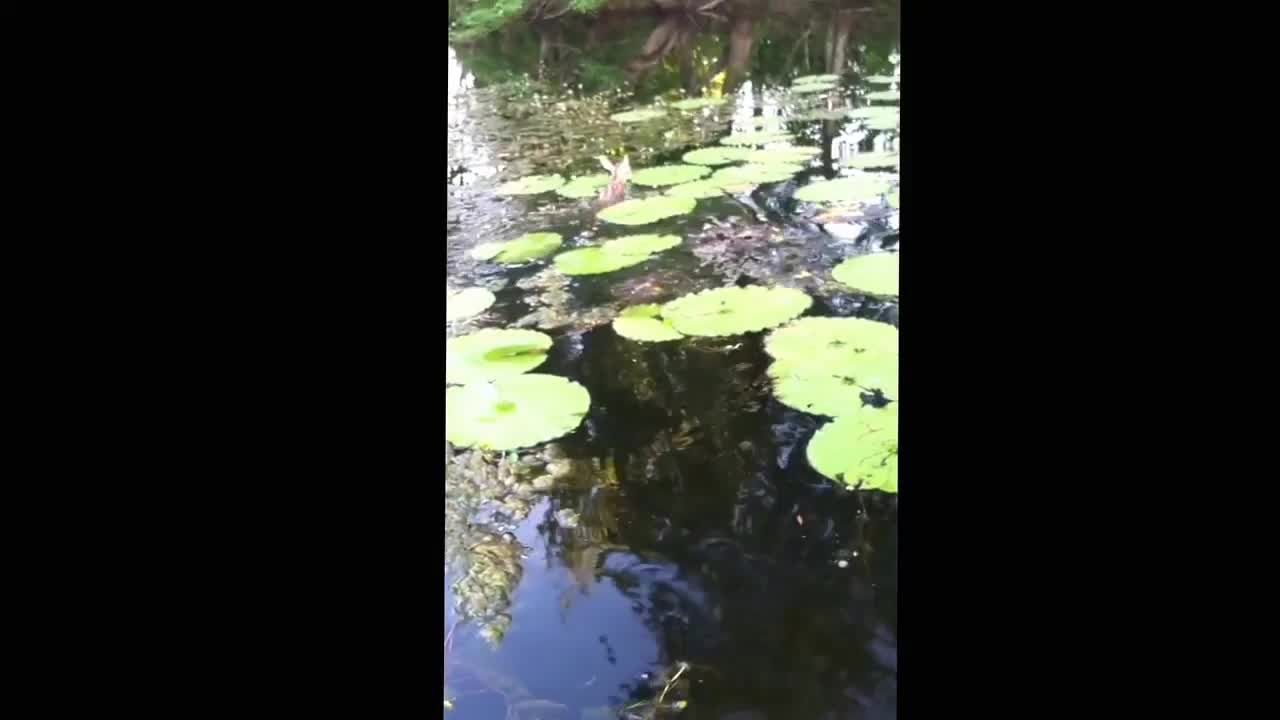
{"x": 494, "y": 353}
{"x": 513, "y": 412}
{"x": 481, "y": 17}
{"x": 859, "y": 449}
{"x": 462, "y": 304}
{"x": 735, "y": 310}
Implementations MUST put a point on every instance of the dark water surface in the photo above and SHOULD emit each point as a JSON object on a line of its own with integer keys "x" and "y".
{"x": 687, "y": 552}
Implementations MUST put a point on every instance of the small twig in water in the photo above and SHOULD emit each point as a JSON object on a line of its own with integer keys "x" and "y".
{"x": 672, "y": 681}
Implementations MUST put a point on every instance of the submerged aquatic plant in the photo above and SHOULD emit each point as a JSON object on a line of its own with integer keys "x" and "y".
{"x": 668, "y": 175}
{"x": 529, "y": 246}
{"x": 734, "y": 310}
{"x": 494, "y": 353}
{"x": 643, "y": 211}
{"x": 514, "y": 412}
{"x": 859, "y": 449}
{"x": 531, "y": 185}
{"x": 872, "y": 274}
{"x": 465, "y": 303}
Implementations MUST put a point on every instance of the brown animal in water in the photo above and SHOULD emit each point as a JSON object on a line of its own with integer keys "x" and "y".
{"x": 619, "y": 176}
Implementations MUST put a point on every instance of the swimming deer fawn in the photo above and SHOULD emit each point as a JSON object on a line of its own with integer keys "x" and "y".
{"x": 619, "y": 176}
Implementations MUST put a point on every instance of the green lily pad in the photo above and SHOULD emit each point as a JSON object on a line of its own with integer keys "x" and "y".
{"x": 642, "y": 115}
{"x": 872, "y": 112}
{"x": 755, "y": 174}
{"x": 823, "y": 115}
{"x": 880, "y": 79}
{"x": 871, "y": 160}
{"x": 828, "y": 342}
{"x": 648, "y": 310}
{"x": 783, "y": 155}
{"x": 644, "y": 329}
{"x": 531, "y": 185}
{"x": 698, "y": 189}
{"x": 884, "y": 96}
{"x": 881, "y": 123}
{"x": 860, "y": 449}
{"x": 893, "y": 199}
{"x": 698, "y": 103}
{"x": 583, "y": 186}
{"x": 466, "y": 303}
{"x": 513, "y": 412}
{"x": 493, "y": 353}
{"x": 643, "y": 211}
{"x": 668, "y": 175}
{"x": 595, "y": 260}
{"x": 834, "y": 391}
{"x": 641, "y": 244}
{"x": 529, "y": 246}
{"x": 823, "y": 79}
{"x": 761, "y": 137}
{"x": 873, "y": 274}
{"x": 716, "y": 155}
{"x": 734, "y": 310}
{"x": 854, "y": 188}
{"x": 814, "y": 87}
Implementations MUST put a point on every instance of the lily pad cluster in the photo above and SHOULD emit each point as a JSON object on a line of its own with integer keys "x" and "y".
{"x": 825, "y": 366}
{"x": 495, "y": 403}
{"x": 614, "y": 254}
{"x": 713, "y": 313}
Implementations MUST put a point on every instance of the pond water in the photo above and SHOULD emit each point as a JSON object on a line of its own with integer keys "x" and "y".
{"x": 675, "y": 554}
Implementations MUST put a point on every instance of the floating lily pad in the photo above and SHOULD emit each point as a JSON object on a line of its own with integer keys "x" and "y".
{"x": 698, "y": 189}
{"x": 783, "y": 155}
{"x": 860, "y": 449}
{"x": 884, "y": 96}
{"x": 668, "y": 175}
{"x": 893, "y": 199}
{"x": 529, "y": 246}
{"x": 648, "y": 310}
{"x": 698, "y": 103}
{"x": 881, "y": 123}
{"x": 466, "y": 303}
{"x": 642, "y": 211}
{"x": 834, "y": 391}
{"x": 532, "y": 185}
{"x": 645, "y": 329}
{"x": 823, "y": 115}
{"x": 874, "y": 274}
{"x": 734, "y": 310}
{"x": 642, "y": 115}
{"x": 584, "y": 186}
{"x": 716, "y": 155}
{"x": 873, "y": 112}
{"x": 814, "y": 87}
{"x": 494, "y": 353}
{"x": 595, "y": 260}
{"x": 762, "y": 137}
{"x": 830, "y": 341}
{"x": 880, "y": 79}
{"x": 855, "y": 188}
{"x": 808, "y": 79}
{"x": 513, "y": 412}
{"x": 755, "y": 174}
{"x": 871, "y": 160}
{"x": 641, "y": 244}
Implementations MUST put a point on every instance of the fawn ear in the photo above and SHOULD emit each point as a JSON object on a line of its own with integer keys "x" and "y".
{"x": 604, "y": 162}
